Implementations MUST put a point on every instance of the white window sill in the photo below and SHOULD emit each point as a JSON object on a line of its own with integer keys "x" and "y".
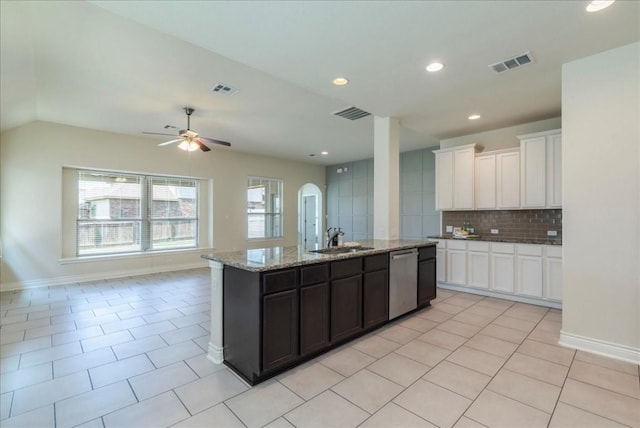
{"x": 129, "y": 256}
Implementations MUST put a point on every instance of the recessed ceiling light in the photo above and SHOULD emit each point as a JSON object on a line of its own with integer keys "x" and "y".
{"x": 340, "y": 81}
{"x": 324, "y": 153}
{"x": 435, "y": 66}
{"x": 474, "y": 117}
{"x": 597, "y": 5}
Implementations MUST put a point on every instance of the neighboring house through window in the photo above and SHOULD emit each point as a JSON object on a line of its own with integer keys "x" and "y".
{"x": 124, "y": 213}
{"x": 264, "y": 208}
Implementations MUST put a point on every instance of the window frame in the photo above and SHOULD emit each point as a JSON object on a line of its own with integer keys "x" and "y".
{"x": 279, "y": 226}
{"x": 146, "y": 217}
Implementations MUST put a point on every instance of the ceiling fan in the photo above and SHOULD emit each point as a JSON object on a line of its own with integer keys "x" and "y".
{"x": 188, "y": 139}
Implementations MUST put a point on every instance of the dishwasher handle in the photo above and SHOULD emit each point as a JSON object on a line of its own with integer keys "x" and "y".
{"x": 403, "y": 255}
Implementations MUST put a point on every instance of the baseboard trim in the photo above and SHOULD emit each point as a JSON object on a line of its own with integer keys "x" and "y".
{"x": 600, "y": 347}
{"x": 73, "y": 279}
{"x": 504, "y": 296}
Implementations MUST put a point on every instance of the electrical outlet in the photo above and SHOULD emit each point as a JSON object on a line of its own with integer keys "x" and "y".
{"x": 552, "y": 233}
{"x": 449, "y": 229}
{"x": 494, "y": 231}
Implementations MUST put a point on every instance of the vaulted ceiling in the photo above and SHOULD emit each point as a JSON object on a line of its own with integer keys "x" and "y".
{"x": 131, "y": 66}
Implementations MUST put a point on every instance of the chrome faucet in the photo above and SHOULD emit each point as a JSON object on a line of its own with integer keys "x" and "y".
{"x": 332, "y": 238}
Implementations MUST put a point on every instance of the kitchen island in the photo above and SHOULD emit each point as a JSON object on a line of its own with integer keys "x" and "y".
{"x": 273, "y": 308}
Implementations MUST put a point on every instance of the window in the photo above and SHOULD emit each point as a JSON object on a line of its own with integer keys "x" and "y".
{"x": 124, "y": 213}
{"x": 264, "y": 208}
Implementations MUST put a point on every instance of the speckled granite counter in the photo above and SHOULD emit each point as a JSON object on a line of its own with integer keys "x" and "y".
{"x": 556, "y": 241}
{"x": 263, "y": 259}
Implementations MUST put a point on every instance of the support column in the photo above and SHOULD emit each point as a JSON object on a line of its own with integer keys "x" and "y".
{"x": 215, "y": 342}
{"x": 386, "y": 181}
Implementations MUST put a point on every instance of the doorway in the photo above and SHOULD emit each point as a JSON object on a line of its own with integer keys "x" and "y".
{"x": 309, "y": 216}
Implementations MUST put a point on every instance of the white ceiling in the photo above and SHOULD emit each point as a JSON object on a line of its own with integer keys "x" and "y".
{"x": 130, "y": 66}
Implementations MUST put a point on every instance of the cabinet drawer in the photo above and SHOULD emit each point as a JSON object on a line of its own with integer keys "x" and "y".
{"x": 442, "y": 243}
{"x": 457, "y": 245}
{"x": 279, "y": 281}
{"x": 478, "y": 246}
{"x": 377, "y": 262}
{"x": 346, "y": 267}
{"x": 530, "y": 250}
{"x": 314, "y": 274}
{"x": 497, "y": 247}
{"x": 426, "y": 253}
{"x": 554, "y": 251}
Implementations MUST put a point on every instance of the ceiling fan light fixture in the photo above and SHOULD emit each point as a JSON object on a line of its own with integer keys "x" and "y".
{"x": 598, "y": 5}
{"x": 189, "y": 146}
{"x": 434, "y": 66}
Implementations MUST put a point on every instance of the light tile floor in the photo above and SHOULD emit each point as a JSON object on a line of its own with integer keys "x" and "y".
{"x": 132, "y": 352}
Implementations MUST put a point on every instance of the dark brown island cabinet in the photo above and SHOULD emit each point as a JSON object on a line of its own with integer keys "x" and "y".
{"x": 274, "y": 320}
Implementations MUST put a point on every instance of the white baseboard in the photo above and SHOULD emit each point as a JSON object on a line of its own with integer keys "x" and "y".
{"x": 73, "y": 279}
{"x": 506, "y": 296}
{"x": 600, "y": 347}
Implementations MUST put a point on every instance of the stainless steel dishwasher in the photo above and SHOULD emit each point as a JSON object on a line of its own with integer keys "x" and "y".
{"x": 403, "y": 282}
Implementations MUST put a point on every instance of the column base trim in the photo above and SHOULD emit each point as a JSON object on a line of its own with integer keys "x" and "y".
{"x": 216, "y": 354}
{"x": 600, "y": 347}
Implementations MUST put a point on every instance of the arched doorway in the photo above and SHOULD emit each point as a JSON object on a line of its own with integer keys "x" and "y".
{"x": 310, "y": 222}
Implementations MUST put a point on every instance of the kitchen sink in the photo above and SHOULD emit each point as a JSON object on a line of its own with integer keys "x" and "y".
{"x": 340, "y": 250}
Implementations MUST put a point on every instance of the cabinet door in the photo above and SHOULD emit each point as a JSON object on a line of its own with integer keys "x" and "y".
{"x": 553, "y": 283}
{"x": 375, "y": 298}
{"x": 533, "y": 174}
{"x": 426, "y": 281}
{"x": 478, "y": 269}
{"x": 457, "y": 267}
{"x": 346, "y": 307}
{"x": 279, "y": 329}
{"x": 314, "y": 317}
{"x": 502, "y": 272}
{"x": 554, "y": 171}
{"x": 444, "y": 181}
{"x": 485, "y": 182}
{"x": 530, "y": 276}
{"x": 508, "y": 180}
{"x": 441, "y": 265}
{"x": 463, "y": 163}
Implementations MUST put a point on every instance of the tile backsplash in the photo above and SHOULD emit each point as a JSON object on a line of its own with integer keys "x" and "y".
{"x": 530, "y": 224}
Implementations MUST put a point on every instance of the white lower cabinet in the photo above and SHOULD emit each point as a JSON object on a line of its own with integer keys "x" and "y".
{"x": 529, "y": 270}
{"x": 502, "y": 272}
{"x": 457, "y": 267}
{"x": 533, "y": 272}
{"x": 553, "y": 273}
{"x": 478, "y": 264}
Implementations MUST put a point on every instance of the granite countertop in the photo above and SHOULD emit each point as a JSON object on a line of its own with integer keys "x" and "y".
{"x": 536, "y": 241}
{"x": 263, "y": 259}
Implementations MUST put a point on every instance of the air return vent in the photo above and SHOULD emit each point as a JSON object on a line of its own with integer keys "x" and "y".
{"x": 223, "y": 89}
{"x": 352, "y": 113}
{"x": 513, "y": 62}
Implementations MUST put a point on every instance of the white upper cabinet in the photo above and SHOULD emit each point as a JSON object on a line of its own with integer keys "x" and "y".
{"x": 485, "y": 182}
{"x": 554, "y": 171}
{"x": 541, "y": 170}
{"x": 508, "y": 180}
{"x": 497, "y": 180}
{"x": 454, "y": 178}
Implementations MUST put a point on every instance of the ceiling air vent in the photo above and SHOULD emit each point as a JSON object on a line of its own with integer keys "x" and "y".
{"x": 352, "y": 113}
{"x": 513, "y": 62}
{"x": 223, "y": 89}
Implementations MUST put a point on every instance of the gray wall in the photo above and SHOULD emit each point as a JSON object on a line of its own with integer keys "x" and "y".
{"x": 350, "y": 197}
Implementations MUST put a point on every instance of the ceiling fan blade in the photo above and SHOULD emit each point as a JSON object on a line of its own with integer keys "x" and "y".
{"x": 211, "y": 140}
{"x": 159, "y": 133}
{"x": 203, "y": 146}
{"x": 166, "y": 143}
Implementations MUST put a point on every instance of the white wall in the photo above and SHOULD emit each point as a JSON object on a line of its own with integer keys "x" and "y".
{"x": 31, "y": 162}
{"x": 503, "y": 138}
{"x": 601, "y": 215}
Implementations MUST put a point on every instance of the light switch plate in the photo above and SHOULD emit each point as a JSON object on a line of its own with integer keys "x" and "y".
{"x": 552, "y": 233}
{"x": 449, "y": 229}
{"x": 494, "y": 231}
